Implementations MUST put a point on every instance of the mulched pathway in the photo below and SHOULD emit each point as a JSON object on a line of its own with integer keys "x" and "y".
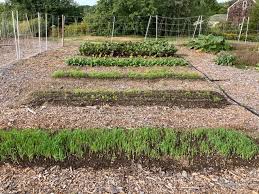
{"x": 133, "y": 179}
{"x": 242, "y": 85}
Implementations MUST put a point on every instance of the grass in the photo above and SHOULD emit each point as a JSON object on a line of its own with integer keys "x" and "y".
{"x": 126, "y": 62}
{"x": 150, "y": 74}
{"x": 31, "y": 144}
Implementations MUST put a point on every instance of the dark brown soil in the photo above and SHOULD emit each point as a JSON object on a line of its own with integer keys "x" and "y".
{"x": 98, "y": 162}
{"x": 169, "y": 98}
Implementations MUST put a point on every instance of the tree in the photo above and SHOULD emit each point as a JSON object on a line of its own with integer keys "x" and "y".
{"x": 137, "y": 12}
{"x": 254, "y": 24}
{"x": 55, "y": 7}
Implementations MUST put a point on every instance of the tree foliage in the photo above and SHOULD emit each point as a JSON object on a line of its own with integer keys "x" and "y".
{"x": 255, "y": 17}
{"x": 136, "y": 12}
{"x": 55, "y": 7}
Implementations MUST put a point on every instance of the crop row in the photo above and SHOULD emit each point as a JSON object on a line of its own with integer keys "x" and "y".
{"x": 148, "y": 142}
{"x": 151, "y": 74}
{"x": 125, "y": 62}
{"x": 126, "y": 49}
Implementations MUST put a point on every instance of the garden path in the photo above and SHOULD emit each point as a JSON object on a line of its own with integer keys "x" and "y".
{"x": 241, "y": 85}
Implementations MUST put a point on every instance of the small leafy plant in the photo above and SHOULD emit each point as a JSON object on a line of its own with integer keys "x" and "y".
{"x": 225, "y": 59}
{"x": 210, "y": 43}
{"x": 126, "y": 49}
{"x": 126, "y": 62}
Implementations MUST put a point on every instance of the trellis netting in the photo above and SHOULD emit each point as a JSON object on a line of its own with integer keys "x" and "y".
{"x": 23, "y": 35}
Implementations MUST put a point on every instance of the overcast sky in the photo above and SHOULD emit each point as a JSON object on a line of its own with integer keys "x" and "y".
{"x": 92, "y": 2}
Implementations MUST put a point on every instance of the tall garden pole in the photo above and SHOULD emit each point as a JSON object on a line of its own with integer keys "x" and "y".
{"x": 196, "y": 26}
{"x": 58, "y": 26}
{"x": 46, "y": 28}
{"x": 241, "y": 29}
{"x": 156, "y": 27}
{"x": 113, "y": 26}
{"x": 15, "y": 39}
{"x": 28, "y": 23}
{"x": 18, "y": 34}
{"x": 39, "y": 31}
{"x": 63, "y": 29}
{"x": 200, "y": 30}
{"x": 247, "y": 28}
{"x": 149, "y": 21}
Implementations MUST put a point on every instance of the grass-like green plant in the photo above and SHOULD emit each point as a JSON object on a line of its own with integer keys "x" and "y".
{"x": 72, "y": 73}
{"x": 126, "y": 62}
{"x": 226, "y": 59}
{"x": 257, "y": 67}
{"x": 125, "y": 49}
{"x": 149, "y": 142}
{"x": 150, "y": 74}
{"x": 210, "y": 43}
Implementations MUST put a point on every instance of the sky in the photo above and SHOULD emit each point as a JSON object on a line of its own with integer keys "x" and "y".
{"x": 93, "y": 2}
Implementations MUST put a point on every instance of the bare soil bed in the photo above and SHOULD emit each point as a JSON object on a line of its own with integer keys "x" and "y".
{"x": 167, "y": 98}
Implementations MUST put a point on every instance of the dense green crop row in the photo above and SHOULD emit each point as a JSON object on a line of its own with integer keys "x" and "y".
{"x": 126, "y": 49}
{"x": 126, "y": 62}
{"x": 209, "y": 43}
{"x": 153, "y": 143}
{"x": 151, "y": 74}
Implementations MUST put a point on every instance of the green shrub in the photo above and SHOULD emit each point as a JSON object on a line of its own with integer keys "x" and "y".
{"x": 209, "y": 43}
{"x": 225, "y": 58}
{"x": 133, "y": 143}
{"x": 257, "y": 67}
{"x": 126, "y": 62}
{"x": 125, "y": 49}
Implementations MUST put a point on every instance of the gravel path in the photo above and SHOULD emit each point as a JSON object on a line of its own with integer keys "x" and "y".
{"x": 132, "y": 179}
{"x": 241, "y": 85}
{"x": 28, "y": 47}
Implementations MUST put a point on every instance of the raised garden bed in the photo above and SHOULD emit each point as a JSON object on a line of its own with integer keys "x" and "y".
{"x": 126, "y": 62}
{"x": 171, "y": 98}
{"x": 100, "y": 148}
{"x": 150, "y": 74}
{"x": 126, "y": 49}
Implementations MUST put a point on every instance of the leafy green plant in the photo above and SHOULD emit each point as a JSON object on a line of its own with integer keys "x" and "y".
{"x": 150, "y": 74}
{"x": 210, "y": 43}
{"x": 126, "y": 62}
{"x": 257, "y": 67}
{"x": 225, "y": 58}
{"x": 126, "y": 49}
{"x": 32, "y": 144}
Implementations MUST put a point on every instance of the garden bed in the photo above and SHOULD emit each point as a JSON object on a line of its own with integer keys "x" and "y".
{"x": 170, "y": 98}
{"x": 103, "y": 148}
